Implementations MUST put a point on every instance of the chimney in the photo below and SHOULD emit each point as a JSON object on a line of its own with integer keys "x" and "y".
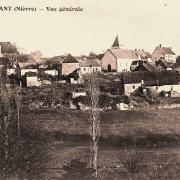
{"x": 160, "y": 45}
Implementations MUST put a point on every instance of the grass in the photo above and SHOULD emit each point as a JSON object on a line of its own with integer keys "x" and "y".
{"x": 133, "y": 145}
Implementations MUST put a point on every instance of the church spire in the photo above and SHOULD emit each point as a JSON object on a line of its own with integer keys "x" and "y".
{"x": 116, "y": 43}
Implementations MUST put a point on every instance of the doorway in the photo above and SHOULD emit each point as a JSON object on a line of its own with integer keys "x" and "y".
{"x": 109, "y": 68}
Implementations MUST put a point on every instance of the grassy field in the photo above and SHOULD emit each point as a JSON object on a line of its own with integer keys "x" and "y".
{"x": 133, "y": 144}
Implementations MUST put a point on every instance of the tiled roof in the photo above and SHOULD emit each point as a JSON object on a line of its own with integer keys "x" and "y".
{"x": 56, "y": 59}
{"x": 89, "y": 62}
{"x": 145, "y": 66}
{"x": 69, "y": 59}
{"x": 164, "y": 50}
{"x": 159, "y": 77}
{"x": 167, "y": 50}
{"x": 7, "y": 47}
{"x": 144, "y": 54}
{"x": 124, "y": 53}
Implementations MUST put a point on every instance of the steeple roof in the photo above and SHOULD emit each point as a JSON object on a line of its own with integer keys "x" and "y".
{"x": 116, "y": 42}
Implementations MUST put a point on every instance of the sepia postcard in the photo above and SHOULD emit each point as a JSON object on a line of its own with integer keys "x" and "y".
{"x": 89, "y": 89}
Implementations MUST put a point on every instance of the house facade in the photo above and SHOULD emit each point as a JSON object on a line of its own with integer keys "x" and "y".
{"x": 69, "y": 65}
{"x": 28, "y": 67}
{"x": 160, "y": 81}
{"x": 88, "y": 66}
{"x": 165, "y": 53}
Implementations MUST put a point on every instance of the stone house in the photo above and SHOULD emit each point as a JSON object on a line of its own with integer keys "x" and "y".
{"x": 69, "y": 65}
{"x": 26, "y": 67}
{"x": 158, "y": 80}
{"x": 165, "y": 53}
{"x": 65, "y": 64}
{"x": 89, "y": 65}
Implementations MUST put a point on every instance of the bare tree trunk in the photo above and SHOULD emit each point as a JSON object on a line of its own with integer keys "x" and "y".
{"x": 6, "y": 154}
{"x": 18, "y": 102}
{"x": 18, "y": 119}
{"x": 95, "y": 120}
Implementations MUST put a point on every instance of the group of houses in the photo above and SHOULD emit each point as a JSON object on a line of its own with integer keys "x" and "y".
{"x": 34, "y": 70}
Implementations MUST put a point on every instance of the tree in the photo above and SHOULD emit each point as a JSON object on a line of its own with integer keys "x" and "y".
{"x": 92, "y": 55}
{"x": 9, "y": 141}
{"x": 94, "y": 119}
{"x": 18, "y": 105}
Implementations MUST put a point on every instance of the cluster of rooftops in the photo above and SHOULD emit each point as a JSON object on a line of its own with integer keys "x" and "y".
{"x": 35, "y": 60}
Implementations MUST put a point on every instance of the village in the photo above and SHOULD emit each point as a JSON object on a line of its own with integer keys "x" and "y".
{"x": 119, "y": 72}
{"x": 122, "y": 104}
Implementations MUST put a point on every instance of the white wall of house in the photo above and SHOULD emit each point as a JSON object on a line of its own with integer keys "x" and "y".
{"x": 130, "y": 88}
{"x": 87, "y": 70}
{"x": 170, "y": 58}
{"x": 124, "y": 64}
{"x": 11, "y": 71}
{"x": 176, "y": 88}
{"x": 24, "y": 71}
{"x": 166, "y": 88}
{"x": 77, "y": 94}
{"x": 32, "y": 81}
{"x": 51, "y": 72}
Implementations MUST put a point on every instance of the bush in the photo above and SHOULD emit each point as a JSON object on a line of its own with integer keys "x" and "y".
{"x": 132, "y": 161}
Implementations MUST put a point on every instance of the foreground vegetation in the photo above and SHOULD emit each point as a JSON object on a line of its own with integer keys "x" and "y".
{"x": 133, "y": 145}
{"x": 54, "y": 143}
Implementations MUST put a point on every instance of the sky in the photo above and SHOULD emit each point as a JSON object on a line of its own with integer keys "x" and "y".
{"x": 140, "y": 24}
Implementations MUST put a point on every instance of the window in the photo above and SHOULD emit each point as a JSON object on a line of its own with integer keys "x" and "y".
{"x": 135, "y": 63}
{"x": 133, "y": 87}
{"x": 84, "y": 69}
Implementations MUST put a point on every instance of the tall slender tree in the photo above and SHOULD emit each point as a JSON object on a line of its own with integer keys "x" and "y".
{"x": 94, "y": 119}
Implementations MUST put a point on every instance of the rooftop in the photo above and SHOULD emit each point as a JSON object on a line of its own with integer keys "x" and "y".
{"x": 69, "y": 59}
{"x": 124, "y": 53}
{"x": 89, "y": 62}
